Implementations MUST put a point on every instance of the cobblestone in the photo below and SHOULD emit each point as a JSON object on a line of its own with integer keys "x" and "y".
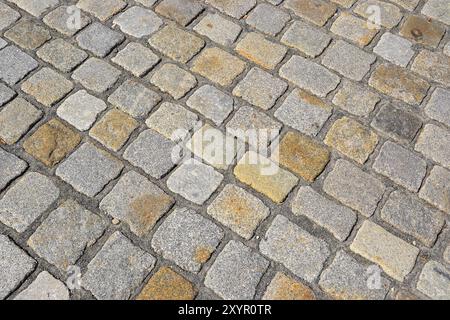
{"x": 8, "y": 16}
{"x": 28, "y": 35}
{"x": 218, "y": 29}
{"x": 182, "y": 11}
{"x": 354, "y": 29}
{"x": 390, "y": 15}
{"x": 36, "y": 8}
{"x": 173, "y": 80}
{"x": 434, "y": 66}
{"x": 356, "y": 99}
{"x": 96, "y": 75}
{"x": 436, "y": 108}
{"x": 6, "y": 94}
{"x": 422, "y": 31}
{"x": 433, "y": 143}
{"x": 15, "y": 65}
{"x": 138, "y": 22}
{"x": 44, "y": 287}
{"x": 268, "y": 19}
{"x": 283, "y": 287}
{"x": 101, "y": 10}
{"x": 436, "y": 189}
{"x": 62, "y": 55}
{"x": 58, "y": 18}
{"x": 395, "y": 49}
{"x": 315, "y": 11}
{"x": 11, "y": 166}
{"x": 99, "y": 40}
{"x": 136, "y": 58}
{"x": 434, "y": 282}
{"x": 309, "y": 40}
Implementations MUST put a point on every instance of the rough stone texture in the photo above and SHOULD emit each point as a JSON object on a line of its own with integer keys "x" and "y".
{"x": 15, "y": 65}
{"x": 438, "y": 10}
{"x": 134, "y": 98}
{"x": 176, "y": 43}
{"x": 337, "y": 219}
{"x": 11, "y": 167}
{"x": 35, "y": 7}
{"x": 138, "y": 22}
{"x": 261, "y": 51}
{"x": 138, "y": 202}
{"x": 8, "y": 16}
{"x": 352, "y": 139}
{"x": 348, "y": 279}
{"x": 182, "y": 11}
{"x": 187, "y": 238}
{"x": 218, "y": 66}
{"x": 315, "y": 11}
{"x": 354, "y": 29}
{"x": 51, "y": 142}
{"x": 15, "y": 265}
{"x": 309, "y": 75}
{"x": 434, "y": 66}
{"x": 304, "y": 112}
{"x": 447, "y": 254}
{"x": 354, "y": 188}
{"x": 15, "y": 120}
{"x": 218, "y": 29}
{"x": 394, "y": 255}
{"x": 236, "y": 272}
{"x": 237, "y": 8}
{"x": 348, "y": 60}
{"x": 397, "y": 123}
{"x": 194, "y": 181}
{"x": 99, "y": 40}
{"x": 395, "y": 49}
{"x": 434, "y": 143}
{"x": 114, "y": 129}
{"x": 28, "y": 34}
{"x": 66, "y": 233}
{"x": 399, "y": 84}
{"x": 296, "y": 249}
{"x": 175, "y": 81}
{"x": 44, "y": 287}
{"x": 355, "y": 99}
{"x": 136, "y": 58}
{"x": 26, "y": 200}
{"x": 407, "y": 4}
{"x": 107, "y": 278}
{"x": 166, "y": 284}
{"x": 58, "y": 19}
{"x": 302, "y": 155}
{"x": 89, "y": 169}
{"x": 436, "y": 189}
{"x": 260, "y": 88}
{"x": 437, "y": 107}
{"x": 212, "y": 103}
{"x": 283, "y": 287}
{"x": 96, "y": 75}
{"x": 268, "y": 19}
{"x": 309, "y": 40}
{"x": 434, "y": 281}
{"x": 81, "y": 110}
{"x": 152, "y": 153}
{"x": 422, "y": 31}
{"x": 390, "y": 15}
{"x": 172, "y": 121}
{"x": 238, "y": 210}
{"x": 408, "y": 214}
{"x": 6, "y": 94}
{"x": 103, "y": 10}
{"x": 62, "y": 55}
{"x": 265, "y": 176}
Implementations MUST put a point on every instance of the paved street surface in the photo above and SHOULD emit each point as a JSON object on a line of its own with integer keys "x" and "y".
{"x": 315, "y": 135}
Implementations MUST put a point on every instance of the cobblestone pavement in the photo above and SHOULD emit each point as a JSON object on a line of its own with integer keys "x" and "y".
{"x": 92, "y": 103}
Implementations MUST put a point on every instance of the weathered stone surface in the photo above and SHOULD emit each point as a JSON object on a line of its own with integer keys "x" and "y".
{"x": 315, "y": 11}
{"x": 114, "y": 129}
{"x": 434, "y": 66}
{"x": 187, "y": 238}
{"x": 96, "y": 75}
{"x": 261, "y": 51}
{"x": 6, "y": 94}
{"x": 61, "y": 19}
{"x": 16, "y": 118}
{"x": 167, "y": 284}
{"x": 337, "y": 219}
{"x": 238, "y": 210}
{"x": 399, "y": 83}
{"x": 260, "y": 88}
{"x": 15, "y": 265}
{"x": 352, "y": 139}
{"x": 66, "y": 233}
{"x": 265, "y": 176}
{"x": 237, "y": 8}
{"x": 26, "y": 200}
{"x": 401, "y": 166}
{"x": 182, "y": 11}
{"x": 218, "y": 29}
{"x": 89, "y": 169}
{"x": 136, "y": 58}
{"x": 268, "y": 19}
{"x": 283, "y": 287}
{"x": 354, "y": 188}
{"x": 422, "y": 31}
{"x": 438, "y": 10}
{"x": 348, "y": 279}
{"x": 437, "y": 107}
{"x": 354, "y": 29}
{"x": 309, "y": 40}
{"x": 99, "y": 39}
{"x": 434, "y": 281}
{"x": 106, "y": 277}
{"x": 175, "y": 81}
{"x": 28, "y": 34}
{"x": 395, "y": 256}
{"x": 35, "y": 7}
{"x": 102, "y": 10}
{"x": 356, "y": 99}
{"x": 8, "y": 16}
{"x": 194, "y": 181}
{"x": 51, "y": 142}
{"x": 44, "y": 287}
{"x": 296, "y": 249}
{"x": 408, "y": 214}
{"x": 434, "y": 143}
{"x": 138, "y": 22}
{"x": 302, "y": 155}
{"x": 395, "y": 49}
{"x": 11, "y": 167}
{"x": 236, "y": 272}
{"x": 390, "y": 15}
{"x": 436, "y": 189}
{"x": 15, "y": 65}
{"x": 62, "y": 55}
{"x": 138, "y": 202}
{"x": 407, "y": 4}
{"x": 309, "y": 76}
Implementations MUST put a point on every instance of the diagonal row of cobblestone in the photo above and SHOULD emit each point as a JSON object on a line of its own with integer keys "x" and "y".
{"x": 97, "y": 97}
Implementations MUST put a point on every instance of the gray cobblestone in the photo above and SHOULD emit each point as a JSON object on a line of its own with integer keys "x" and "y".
{"x": 7, "y": 16}
{"x": 434, "y": 143}
{"x": 6, "y": 94}
{"x": 11, "y": 167}
{"x": 15, "y": 65}
{"x": 96, "y": 75}
{"x": 98, "y": 39}
{"x": 436, "y": 189}
{"x": 44, "y": 287}
{"x": 62, "y": 55}
{"x": 182, "y": 11}
{"x": 138, "y": 22}
{"x": 394, "y": 49}
{"x": 35, "y": 7}
{"x": 268, "y": 19}
{"x": 437, "y": 108}
{"x": 434, "y": 281}
{"x": 175, "y": 81}
{"x": 218, "y": 29}
{"x": 58, "y": 19}
{"x": 136, "y": 58}
{"x": 237, "y": 9}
